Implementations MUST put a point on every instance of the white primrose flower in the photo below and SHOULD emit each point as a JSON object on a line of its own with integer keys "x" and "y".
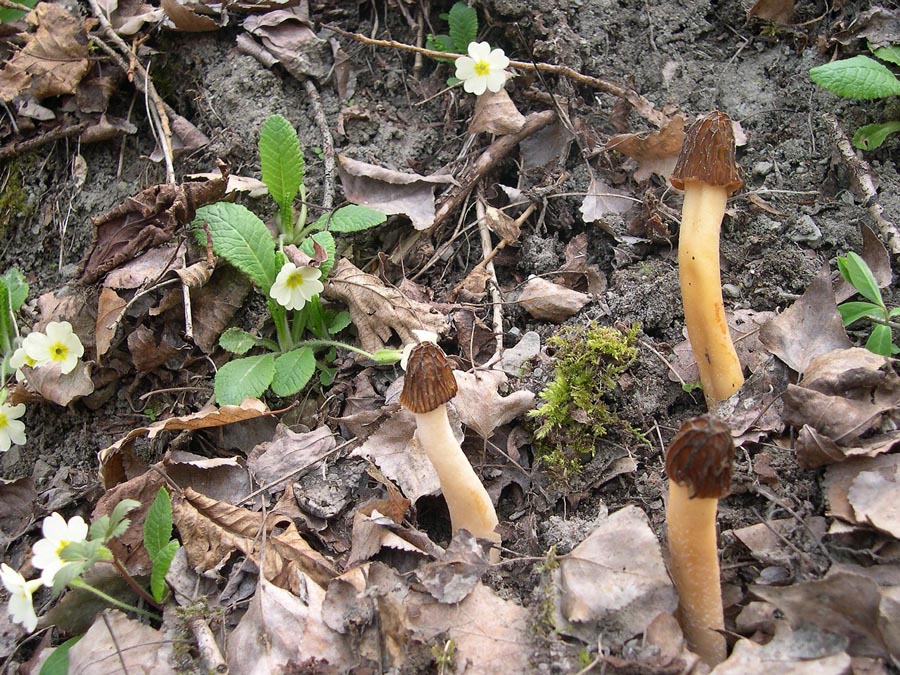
{"x": 482, "y": 69}
{"x": 59, "y": 345}
{"x": 295, "y": 286}
{"x": 21, "y": 606}
{"x": 421, "y": 336}
{"x": 19, "y": 360}
{"x": 11, "y": 429}
{"x": 57, "y": 535}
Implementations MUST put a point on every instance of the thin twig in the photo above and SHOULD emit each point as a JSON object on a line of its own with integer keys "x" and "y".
{"x": 496, "y": 298}
{"x": 641, "y": 105}
{"x": 211, "y": 659}
{"x": 9, "y": 4}
{"x": 142, "y": 83}
{"x": 327, "y": 143}
{"x": 17, "y": 148}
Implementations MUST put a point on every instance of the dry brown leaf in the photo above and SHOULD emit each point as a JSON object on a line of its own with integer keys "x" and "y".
{"x": 215, "y": 305}
{"x": 878, "y": 25}
{"x": 801, "y": 652}
{"x": 129, "y": 16}
{"x": 391, "y": 192}
{"x": 655, "y": 152}
{"x": 212, "y": 531}
{"x": 779, "y": 11}
{"x": 129, "y": 644}
{"x": 502, "y": 225}
{"x": 19, "y": 501}
{"x": 576, "y": 273}
{"x": 147, "y": 268}
{"x": 810, "y": 327}
{"x": 548, "y": 301}
{"x": 455, "y": 573}
{"x": 495, "y": 113}
{"x": 839, "y": 478}
{"x": 54, "y": 59}
{"x": 875, "y": 498}
{"x": 615, "y": 581}
{"x": 377, "y": 310}
{"x": 57, "y": 388}
{"x": 185, "y": 19}
{"x": 147, "y": 354}
{"x": 250, "y": 408}
{"x": 282, "y": 633}
{"x": 287, "y": 35}
{"x": 844, "y": 603}
{"x": 768, "y": 542}
{"x": 375, "y": 531}
{"x": 481, "y": 407}
{"x": 110, "y": 308}
{"x": 602, "y": 199}
{"x": 288, "y": 452}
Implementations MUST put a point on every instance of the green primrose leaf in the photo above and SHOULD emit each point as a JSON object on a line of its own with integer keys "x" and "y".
{"x": 241, "y": 238}
{"x": 339, "y": 322}
{"x": 16, "y": 287}
{"x": 879, "y": 341}
{"x": 293, "y": 370}
{"x": 7, "y": 15}
{"x": 857, "y": 77}
{"x": 355, "y": 218}
{"x": 237, "y": 341}
{"x": 58, "y": 661}
{"x": 857, "y": 273}
{"x": 5, "y": 314}
{"x": 158, "y": 524}
{"x": 106, "y": 527}
{"x": 463, "y": 21}
{"x": 851, "y": 312}
{"x": 872, "y": 136}
{"x": 894, "y": 312}
{"x": 241, "y": 378}
{"x": 326, "y": 241}
{"x": 161, "y": 563}
{"x": 439, "y": 43}
{"x": 890, "y": 54}
{"x": 281, "y": 159}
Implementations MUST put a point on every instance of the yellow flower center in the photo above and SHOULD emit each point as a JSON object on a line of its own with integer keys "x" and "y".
{"x": 4, "y": 422}
{"x": 482, "y": 68}
{"x": 58, "y": 351}
{"x": 294, "y": 280}
{"x": 62, "y": 545}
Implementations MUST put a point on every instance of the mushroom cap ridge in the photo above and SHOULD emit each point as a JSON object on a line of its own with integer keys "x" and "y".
{"x": 707, "y": 155}
{"x": 429, "y": 380}
{"x": 701, "y": 456}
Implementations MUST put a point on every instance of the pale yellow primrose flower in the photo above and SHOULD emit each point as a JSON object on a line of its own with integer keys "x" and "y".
{"x": 59, "y": 345}
{"x": 295, "y": 286}
{"x": 21, "y": 607}
{"x": 421, "y": 336}
{"x": 19, "y": 360}
{"x": 11, "y": 429}
{"x": 57, "y": 535}
{"x": 482, "y": 69}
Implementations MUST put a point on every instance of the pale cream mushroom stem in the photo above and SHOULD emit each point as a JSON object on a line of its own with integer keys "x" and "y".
{"x": 707, "y": 173}
{"x": 699, "y": 465}
{"x": 428, "y": 385}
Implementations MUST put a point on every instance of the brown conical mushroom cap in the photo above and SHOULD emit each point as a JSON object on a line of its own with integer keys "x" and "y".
{"x": 700, "y": 457}
{"x": 707, "y": 155}
{"x": 429, "y": 380}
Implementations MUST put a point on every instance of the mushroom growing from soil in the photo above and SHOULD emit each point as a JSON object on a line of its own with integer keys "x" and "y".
{"x": 428, "y": 385}
{"x": 698, "y": 464}
{"x": 707, "y": 173}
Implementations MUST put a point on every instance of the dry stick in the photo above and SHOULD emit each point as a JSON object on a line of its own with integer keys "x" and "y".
{"x": 496, "y": 298}
{"x": 862, "y": 172}
{"x": 211, "y": 658}
{"x": 327, "y": 143}
{"x": 8, "y": 4}
{"x": 142, "y": 83}
{"x": 489, "y": 158}
{"x": 640, "y": 104}
{"x": 17, "y": 148}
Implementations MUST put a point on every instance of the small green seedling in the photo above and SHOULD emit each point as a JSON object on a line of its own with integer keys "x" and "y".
{"x": 13, "y": 291}
{"x": 856, "y": 272}
{"x": 240, "y": 237}
{"x": 863, "y": 78}
{"x": 159, "y": 543}
{"x": 463, "y": 23}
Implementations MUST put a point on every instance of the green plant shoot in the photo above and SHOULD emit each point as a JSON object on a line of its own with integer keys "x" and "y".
{"x": 856, "y": 272}
{"x": 863, "y": 78}
{"x": 463, "y": 29}
{"x": 159, "y": 543}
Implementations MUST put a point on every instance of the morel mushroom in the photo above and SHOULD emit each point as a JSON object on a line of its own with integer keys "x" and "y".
{"x": 428, "y": 385}
{"x": 698, "y": 464}
{"x": 707, "y": 173}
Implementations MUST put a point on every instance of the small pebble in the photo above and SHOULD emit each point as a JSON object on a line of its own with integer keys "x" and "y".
{"x": 731, "y": 291}
{"x": 763, "y": 168}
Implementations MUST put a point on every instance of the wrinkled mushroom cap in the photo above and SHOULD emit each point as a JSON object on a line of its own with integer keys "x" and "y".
{"x": 707, "y": 155}
{"x": 700, "y": 457}
{"x": 429, "y": 380}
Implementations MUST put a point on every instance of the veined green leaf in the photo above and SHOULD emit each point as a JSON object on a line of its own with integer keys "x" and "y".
{"x": 852, "y": 312}
{"x": 281, "y": 159}
{"x": 241, "y": 378}
{"x": 293, "y": 370}
{"x": 237, "y": 341}
{"x": 890, "y": 54}
{"x": 5, "y": 314}
{"x": 326, "y": 241}
{"x": 872, "y": 136}
{"x": 242, "y": 239}
{"x": 463, "y": 21}
{"x": 879, "y": 341}
{"x": 58, "y": 661}
{"x": 857, "y": 77}
{"x": 17, "y": 288}
{"x": 158, "y": 524}
{"x": 354, "y": 218}
{"x": 857, "y": 273}
{"x": 161, "y": 563}
{"x": 339, "y": 322}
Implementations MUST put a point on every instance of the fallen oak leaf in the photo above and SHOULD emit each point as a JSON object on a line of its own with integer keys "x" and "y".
{"x": 655, "y": 152}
